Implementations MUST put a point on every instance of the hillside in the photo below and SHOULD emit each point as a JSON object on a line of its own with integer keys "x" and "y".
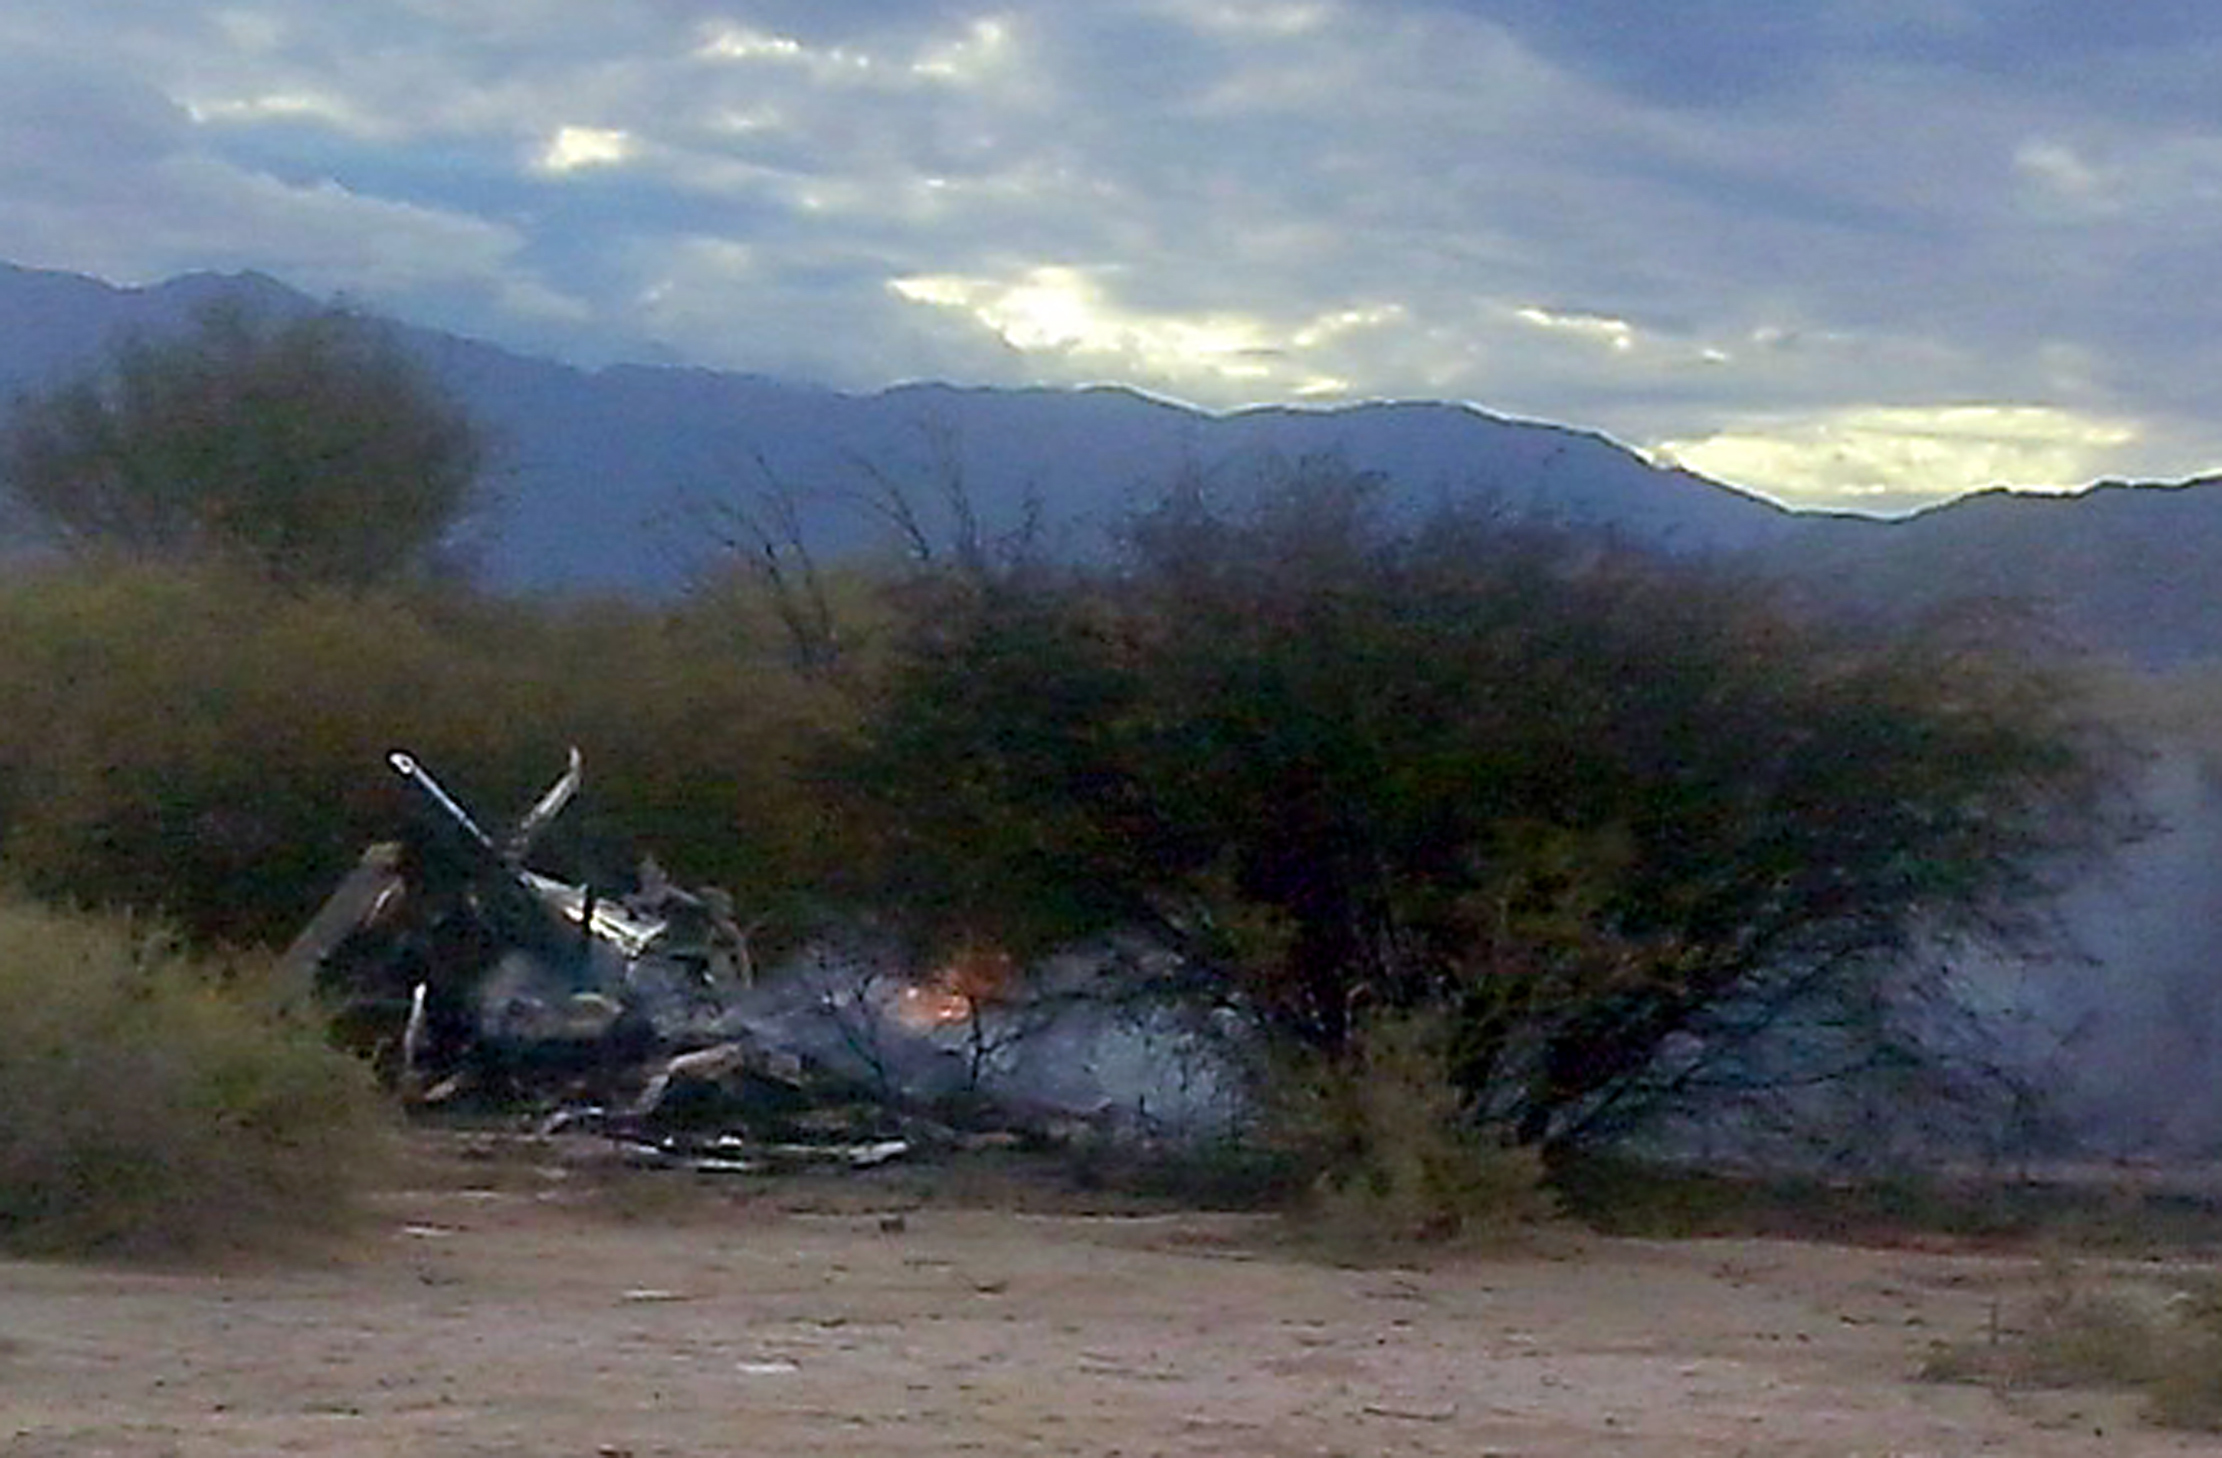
{"x": 2125, "y": 569}
{"x": 612, "y": 480}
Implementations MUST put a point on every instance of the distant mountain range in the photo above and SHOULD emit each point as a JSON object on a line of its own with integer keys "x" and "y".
{"x": 612, "y": 480}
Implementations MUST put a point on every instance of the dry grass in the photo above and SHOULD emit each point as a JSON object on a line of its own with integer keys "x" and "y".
{"x": 2187, "y": 1391}
{"x": 2082, "y": 1330}
{"x": 1619, "y": 1195}
{"x": 159, "y": 1105}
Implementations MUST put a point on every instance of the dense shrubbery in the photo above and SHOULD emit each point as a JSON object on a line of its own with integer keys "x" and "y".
{"x": 199, "y": 742}
{"x": 1501, "y": 837}
{"x": 154, "y": 1105}
{"x": 1609, "y": 835}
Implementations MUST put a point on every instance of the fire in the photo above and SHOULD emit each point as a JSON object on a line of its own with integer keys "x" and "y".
{"x": 973, "y": 978}
{"x": 934, "y": 1006}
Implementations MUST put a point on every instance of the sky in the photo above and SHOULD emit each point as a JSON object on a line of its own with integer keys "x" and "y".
{"x": 1854, "y": 254}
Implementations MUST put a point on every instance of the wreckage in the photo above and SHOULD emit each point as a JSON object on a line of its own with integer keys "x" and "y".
{"x": 462, "y": 970}
{"x": 469, "y": 976}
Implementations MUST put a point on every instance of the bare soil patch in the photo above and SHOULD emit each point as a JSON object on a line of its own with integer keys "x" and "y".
{"x": 508, "y": 1309}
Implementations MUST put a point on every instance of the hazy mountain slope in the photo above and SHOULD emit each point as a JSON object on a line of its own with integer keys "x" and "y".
{"x": 601, "y": 474}
{"x": 53, "y": 323}
{"x": 2134, "y": 570}
{"x": 607, "y": 473}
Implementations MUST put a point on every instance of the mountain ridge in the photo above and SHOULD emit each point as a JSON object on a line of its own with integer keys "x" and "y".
{"x": 639, "y": 448}
{"x": 613, "y": 478}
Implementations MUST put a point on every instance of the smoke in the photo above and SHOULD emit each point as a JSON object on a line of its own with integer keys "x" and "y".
{"x": 2125, "y": 1031}
{"x": 2121, "y": 1032}
{"x": 1056, "y": 1043}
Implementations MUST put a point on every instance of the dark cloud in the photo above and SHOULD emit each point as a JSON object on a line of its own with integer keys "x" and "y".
{"x": 1693, "y": 53}
{"x": 63, "y": 117}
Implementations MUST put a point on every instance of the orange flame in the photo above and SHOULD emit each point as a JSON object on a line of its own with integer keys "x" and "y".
{"x": 958, "y": 989}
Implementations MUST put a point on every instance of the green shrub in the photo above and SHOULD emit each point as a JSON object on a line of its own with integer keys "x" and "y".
{"x": 195, "y": 743}
{"x": 1390, "y": 1153}
{"x": 158, "y": 1104}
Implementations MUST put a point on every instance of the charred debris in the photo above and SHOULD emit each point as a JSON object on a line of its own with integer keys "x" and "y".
{"x": 474, "y": 981}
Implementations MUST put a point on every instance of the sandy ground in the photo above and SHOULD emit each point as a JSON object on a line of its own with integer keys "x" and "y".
{"x": 526, "y": 1315}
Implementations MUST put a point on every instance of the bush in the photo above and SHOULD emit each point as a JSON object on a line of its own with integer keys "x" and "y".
{"x": 157, "y": 1104}
{"x": 1390, "y": 1155}
{"x": 196, "y": 743}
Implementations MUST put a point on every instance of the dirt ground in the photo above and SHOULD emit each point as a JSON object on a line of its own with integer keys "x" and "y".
{"x": 513, "y": 1312}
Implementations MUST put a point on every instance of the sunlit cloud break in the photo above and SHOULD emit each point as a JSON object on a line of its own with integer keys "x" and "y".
{"x": 1617, "y": 335}
{"x": 573, "y": 148}
{"x": 1910, "y": 452}
{"x": 1064, "y": 314}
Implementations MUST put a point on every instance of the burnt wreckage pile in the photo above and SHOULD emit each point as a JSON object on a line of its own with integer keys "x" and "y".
{"x": 470, "y": 976}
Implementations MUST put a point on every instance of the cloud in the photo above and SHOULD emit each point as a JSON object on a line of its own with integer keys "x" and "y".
{"x": 984, "y": 50}
{"x": 742, "y": 44}
{"x": 109, "y": 174}
{"x": 1614, "y": 334}
{"x": 572, "y": 148}
{"x": 2057, "y": 169}
{"x": 1793, "y": 239}
{"x": 1069, "y": 316}
{"x": 1880, "y": 457}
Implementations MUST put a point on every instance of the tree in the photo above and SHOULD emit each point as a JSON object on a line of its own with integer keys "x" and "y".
{"x": 1626, "y": 824}
{"x": 310, "y": 449}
